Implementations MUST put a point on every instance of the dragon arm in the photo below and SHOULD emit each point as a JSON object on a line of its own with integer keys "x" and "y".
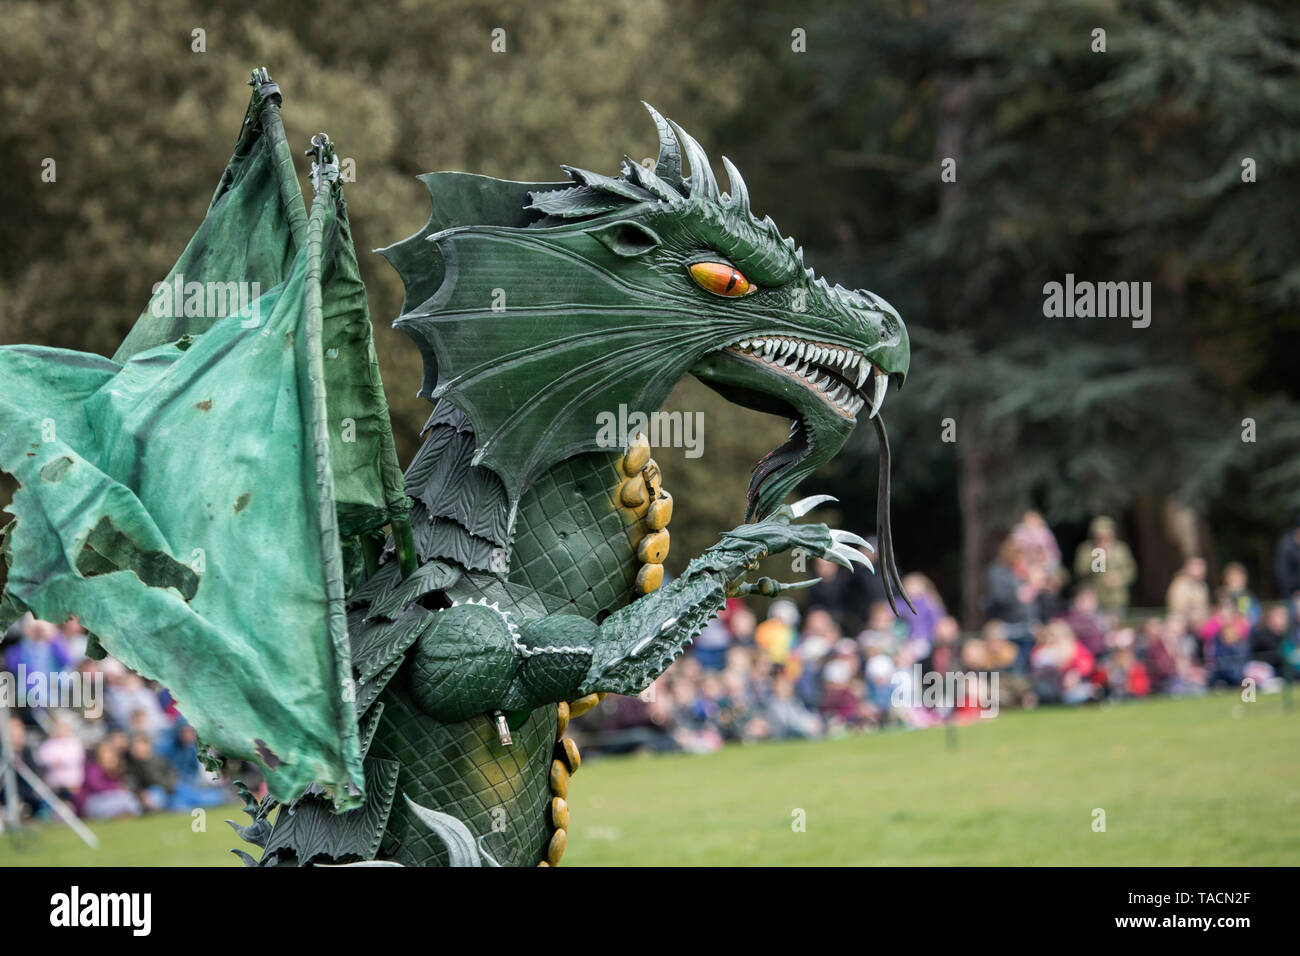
{"x": 475, "y": 659}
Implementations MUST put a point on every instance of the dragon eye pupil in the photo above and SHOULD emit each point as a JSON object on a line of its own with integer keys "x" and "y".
{"x": 720, "y": 278}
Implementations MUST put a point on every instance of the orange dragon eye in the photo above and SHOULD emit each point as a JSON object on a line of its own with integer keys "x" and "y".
{"x": 721, "y": 278}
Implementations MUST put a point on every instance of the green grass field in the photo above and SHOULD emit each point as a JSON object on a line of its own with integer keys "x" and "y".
{"x": 1191, "y": 782}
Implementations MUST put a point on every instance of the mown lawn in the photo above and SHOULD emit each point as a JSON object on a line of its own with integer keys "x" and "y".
{"x": 1210, "y": 781}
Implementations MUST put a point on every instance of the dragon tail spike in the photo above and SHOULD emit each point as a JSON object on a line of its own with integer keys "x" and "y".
{"x": 703, "y": 183}
{"x": 736, "y": 186}
{"x": 669, "y": 165}
{"x": 888, "y": 565}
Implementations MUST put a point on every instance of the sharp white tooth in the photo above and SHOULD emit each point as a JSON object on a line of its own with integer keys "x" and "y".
{"x": 882, "y": 383}
{"x": 780, "y": 362}
{"x": 853, "y": 360}
{"x": 863, "y": 372}
{"x": 826, "y": 380}
{"x": 840, "y": 356}
{"x": 744, "y": 344}
{"x": 769, "y": 347}
{"x": 841, "y": 394}
{"x": 803, "y": 369}
{"x": 802, "y": 348}
{"x": 786, "y": 347}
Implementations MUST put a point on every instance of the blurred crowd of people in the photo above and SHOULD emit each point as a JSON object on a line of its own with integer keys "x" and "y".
{"x": 845, "y": 661}
{"x": 115, "y": 748}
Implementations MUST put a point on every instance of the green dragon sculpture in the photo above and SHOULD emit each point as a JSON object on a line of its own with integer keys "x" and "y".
{"x": 531, "y": 583}
{"x": 614, "y": 289}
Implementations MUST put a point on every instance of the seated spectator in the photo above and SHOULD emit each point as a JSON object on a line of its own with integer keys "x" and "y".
{"x": 735, "y": 706}
{"x": 820, "y": 622}
{"x": 62, "y": 759}
{"x": 1121, "y": 674}
{"x": 879, "y": 687}
{"x": 1236, "y": 590}
{"x": 149, "y": 774}
{"x": 841, "y": 699}
{"x": 1014, "y": 690}
{"x": 104, "y": 794}
{"x": 1017, "y": 597}
{"x": 694, "y": 730}
{"x": 1225, "y": 616}
{"x": 776, "y": 635}
{"x": 740, "y": 622}
{"x": 128, "y": 694}
{"x": 1160, "y": 658}
{"x": 1086, "y": 622}
{"x": 710, "y": 647}
{"x": 806, "y": 665}
{"x": 929, "y": 609}
{"x": 1267, "y": 638}
{"x": 944, "y": 653}
{"x": 976, "y": 660}
{"x": 882, "y": 629}
{"x": 1230, "y": 648}
{"x": 786, "y": 714}
{"x": 1061, "y": 666}
{"x": 195, "y": 786}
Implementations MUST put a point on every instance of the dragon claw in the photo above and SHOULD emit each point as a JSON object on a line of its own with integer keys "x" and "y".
{"x": 848, "y": 537}
{"x": 846, "y": 556}
{"x": 805, "y": 505}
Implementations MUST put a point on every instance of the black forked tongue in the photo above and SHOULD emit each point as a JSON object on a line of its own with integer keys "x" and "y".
{"x": 884, "y": 535}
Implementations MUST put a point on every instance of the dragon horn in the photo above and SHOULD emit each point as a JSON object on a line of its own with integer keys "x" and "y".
{"x": 703, "y": 184}
{"x": 736, "y": 185}
{"x": 669, "y": 165}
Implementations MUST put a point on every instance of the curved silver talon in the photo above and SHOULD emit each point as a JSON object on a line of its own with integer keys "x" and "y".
{"x": 805, "y": 505}
{"x": 848, "y": 557}
{"x": 848, "y": 537}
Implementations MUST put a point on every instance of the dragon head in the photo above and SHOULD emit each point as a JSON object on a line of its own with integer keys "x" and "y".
{"x": 540, "y": 306}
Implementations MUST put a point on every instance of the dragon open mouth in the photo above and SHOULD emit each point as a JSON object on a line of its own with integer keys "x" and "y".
{"x": 821, "y": 388}
{"x": 843, "y": 378}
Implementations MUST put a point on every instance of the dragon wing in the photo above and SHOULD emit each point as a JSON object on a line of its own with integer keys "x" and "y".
{"x": 193, "y": 499}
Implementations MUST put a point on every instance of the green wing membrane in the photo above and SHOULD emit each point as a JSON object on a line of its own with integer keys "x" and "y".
{"x": 190, "y": 499}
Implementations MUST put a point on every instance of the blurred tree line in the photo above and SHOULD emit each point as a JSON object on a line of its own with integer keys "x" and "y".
{"x": 1123, "y": 165}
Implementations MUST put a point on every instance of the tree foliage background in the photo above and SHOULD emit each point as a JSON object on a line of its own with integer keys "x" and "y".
{"x": 1117, "y": 166}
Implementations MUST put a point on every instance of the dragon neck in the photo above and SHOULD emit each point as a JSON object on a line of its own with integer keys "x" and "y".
{"x": 589, "y": 535}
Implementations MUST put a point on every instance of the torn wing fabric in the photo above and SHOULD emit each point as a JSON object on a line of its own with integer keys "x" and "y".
{"x": 181, "y": 500}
